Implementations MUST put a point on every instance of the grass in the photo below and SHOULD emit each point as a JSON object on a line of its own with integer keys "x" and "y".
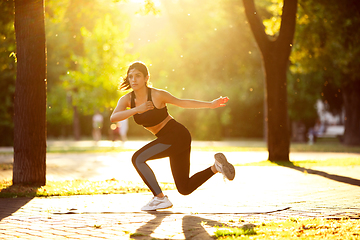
{"x": 347, "y": 229}
{"x": 94, "y": 149}
{"x": 234, "y": 232}
{"x": 75, "y": 187}
{"x": 6, "y": 166}
{"x": 341, "y": 162}
{"x": 322, "y": 145}
{"x": 137, "y": 235}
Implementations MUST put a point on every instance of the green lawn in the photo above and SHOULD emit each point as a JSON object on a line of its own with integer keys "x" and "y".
{"x": 75, "y": 187}
{"x": 342, "y": 162}
{"x": 323, "y": 145}
{"x": 347, "y": 229}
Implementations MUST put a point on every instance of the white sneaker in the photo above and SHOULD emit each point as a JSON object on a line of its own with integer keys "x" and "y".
{"x": 223, "y": 166}
{"x": 157, "y": 203}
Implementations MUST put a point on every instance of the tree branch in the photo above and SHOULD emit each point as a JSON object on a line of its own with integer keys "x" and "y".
{"x": 256, "y": 25}
{"x": 288, "y": 22}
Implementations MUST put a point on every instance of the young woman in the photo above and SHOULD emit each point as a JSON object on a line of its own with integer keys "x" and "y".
{"x": 148, "y": 107}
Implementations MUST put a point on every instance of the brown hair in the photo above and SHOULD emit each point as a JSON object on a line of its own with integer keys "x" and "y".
{"x": 125, "y": 85}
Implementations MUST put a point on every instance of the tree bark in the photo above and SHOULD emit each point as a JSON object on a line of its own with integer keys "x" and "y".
{"x": 30, "y": 94}
{"x": 351, "y": 98}
{"x": 275, "y": 54}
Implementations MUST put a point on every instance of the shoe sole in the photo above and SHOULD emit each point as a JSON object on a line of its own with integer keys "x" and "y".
{"x": 160, "y": 208}
{"x": 228, "y": 168}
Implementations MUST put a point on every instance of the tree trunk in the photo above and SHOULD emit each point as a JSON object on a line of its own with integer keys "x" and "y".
{"x": 352, "y": 114}
{"x": 30, "y": 94}
{"x": 278, "y": 138}
{"x": 275, "y": 55}
{"x": 76, "y": 124}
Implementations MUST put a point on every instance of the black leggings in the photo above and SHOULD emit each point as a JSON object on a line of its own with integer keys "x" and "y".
{"x": 173, "y": 141}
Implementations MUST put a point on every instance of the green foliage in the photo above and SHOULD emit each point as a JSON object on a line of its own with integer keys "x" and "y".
{"x": 235, "y": 232}
{"x": 192, "y": 52}
{"x": 325, "y": 49}
{"x": 208, "y": 127}
{"x": 94, "y": 83}
{"x": 7, "y": 71}
{"x": 148, "y": 8}
{"x": 86, "y": 59}
{"x": 203, "y": 53}
{"x": 305, "y": 78}
{"x": 303, "y": 91}
{"x": 271, "y": 11}
{"x": 300, "y": 228}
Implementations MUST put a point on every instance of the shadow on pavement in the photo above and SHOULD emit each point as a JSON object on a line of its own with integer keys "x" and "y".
{"x": 338, "y": 178}
{"x": 191, "y": 225}
{"x": 14, "y": 197}
{"x": 151, "y": 225}
{"x": 8, "y": 206}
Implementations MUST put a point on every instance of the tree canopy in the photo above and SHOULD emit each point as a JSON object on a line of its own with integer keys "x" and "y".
{"x": 210, "y": 55}
{"x": 325, "y": 57}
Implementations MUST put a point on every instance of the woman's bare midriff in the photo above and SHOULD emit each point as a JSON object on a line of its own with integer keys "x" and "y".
{"x": 155, "y": 129}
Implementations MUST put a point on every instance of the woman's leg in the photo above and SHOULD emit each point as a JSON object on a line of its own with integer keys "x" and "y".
{"x": 153, "y": 150}
{"x": 180, "y": 167}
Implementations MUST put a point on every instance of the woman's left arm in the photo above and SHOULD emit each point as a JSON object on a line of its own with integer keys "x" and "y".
{"x": 190, "y": 103}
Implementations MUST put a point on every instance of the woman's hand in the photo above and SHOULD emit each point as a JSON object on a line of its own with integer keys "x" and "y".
{"x": 146, "y": 106}
{"x": 219, "y": 102}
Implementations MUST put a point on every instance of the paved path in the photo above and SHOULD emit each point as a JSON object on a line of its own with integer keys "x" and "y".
{"x": 257, "y": 194}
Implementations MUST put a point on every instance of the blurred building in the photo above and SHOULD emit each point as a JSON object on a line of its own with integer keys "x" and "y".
{"x": 332, "y": 125}
{"x": 327, "y": 117}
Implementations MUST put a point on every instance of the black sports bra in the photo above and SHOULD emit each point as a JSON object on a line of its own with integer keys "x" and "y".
{"x": 149, "y": 118}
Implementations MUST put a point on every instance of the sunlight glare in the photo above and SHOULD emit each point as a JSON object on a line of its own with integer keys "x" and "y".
{"x": 157, "y": 3}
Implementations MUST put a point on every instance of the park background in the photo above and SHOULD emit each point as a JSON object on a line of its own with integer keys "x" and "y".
{"x": 202, "y": 50}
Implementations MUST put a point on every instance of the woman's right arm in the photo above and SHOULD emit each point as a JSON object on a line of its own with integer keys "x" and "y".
{"x": 123, "y": 110}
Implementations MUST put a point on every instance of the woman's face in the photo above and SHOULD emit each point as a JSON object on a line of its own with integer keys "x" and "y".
{"x": 137, "y": 79}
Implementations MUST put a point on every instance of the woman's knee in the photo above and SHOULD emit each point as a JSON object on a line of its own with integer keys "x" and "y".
{"x": 184, "y": 190}
{"x": 134, "y": 159}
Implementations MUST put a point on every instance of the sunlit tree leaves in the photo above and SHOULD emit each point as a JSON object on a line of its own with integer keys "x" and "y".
{"x": 100, "y": 68}
{"x": 326, "y": 53}
{"x": 204, "y": 53}
{"x": 7, "y": 71}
